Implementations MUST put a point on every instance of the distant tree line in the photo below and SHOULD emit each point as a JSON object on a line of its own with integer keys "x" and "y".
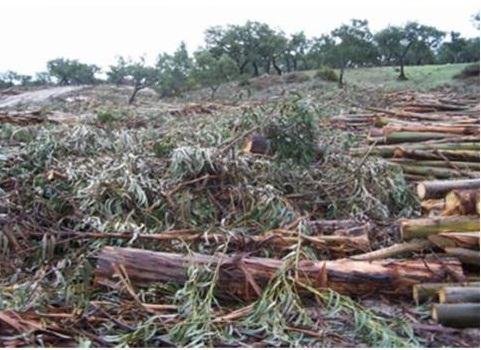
{"x": 241, "y": 51}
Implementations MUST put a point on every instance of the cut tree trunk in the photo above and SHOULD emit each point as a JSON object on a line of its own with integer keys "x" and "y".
{"x": 439, "y": 189}
{"x": 458, "y": 155}
{"x": 443, "y": 164}
{"x": 238, "y": 273}
{"x": 424, "y": 227}
{"x": 395, "y": 250}
{"x": 461, "y": 130}
{"x": 462, "y": 202}
{"x": 466, "y": 256}
{"x": 456, "y": 315}
{"x": 437, "y": 173}
{"x": 430, "y": 206}
{"x": 408, "y": 136}
{"x": 256, "y": 144}
{"x": 452, "y": 295}
{"x": 456, "y": 239}
{"x": 425, "y": 291}
{"x": 389, "y": 151}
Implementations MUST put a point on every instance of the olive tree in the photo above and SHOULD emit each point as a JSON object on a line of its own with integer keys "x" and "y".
{"x": 395, "y": 42}
{"x": 211, "y": 72}
{"x": 137, "y": 74}
{"x": 72, "y": 72}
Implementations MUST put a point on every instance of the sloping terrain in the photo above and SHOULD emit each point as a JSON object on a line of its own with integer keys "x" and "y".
{"x": 242, "y": 221}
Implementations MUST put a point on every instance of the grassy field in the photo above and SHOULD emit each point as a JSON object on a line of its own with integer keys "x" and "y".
{"x": 420, "y": 78}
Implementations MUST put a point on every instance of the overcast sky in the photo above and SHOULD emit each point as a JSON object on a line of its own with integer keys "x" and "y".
{"x": 96, "y": 31}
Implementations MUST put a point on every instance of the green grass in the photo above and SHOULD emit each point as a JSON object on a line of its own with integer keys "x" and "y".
{"x": 421, "y": 78}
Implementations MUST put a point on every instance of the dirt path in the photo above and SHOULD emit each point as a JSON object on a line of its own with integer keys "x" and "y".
{"x": 37, "y": 96}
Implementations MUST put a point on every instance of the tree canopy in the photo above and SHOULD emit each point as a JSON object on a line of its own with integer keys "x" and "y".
{"x": 254, "y": 48}
{"x": 395, "y": 42}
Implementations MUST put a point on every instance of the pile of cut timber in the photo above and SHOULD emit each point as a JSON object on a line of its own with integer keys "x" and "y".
{"x": 454, "y": 228}
{"x": 429, "y": 137}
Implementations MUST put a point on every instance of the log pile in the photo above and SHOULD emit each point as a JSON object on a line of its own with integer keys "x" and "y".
{"x": 453, "y": 226}
{"x": 429, "y": 137}
{"x": 435, "y": 138}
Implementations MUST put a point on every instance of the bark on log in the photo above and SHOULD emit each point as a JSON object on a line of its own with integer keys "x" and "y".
{"x": 452, "y": 295}
{"x": 425, "y": 291}
{"x": 439, "y": 189}
{"x": 462, "y": 202}
{"x": 461, "y": 130}
{"x": 456, "y": 239}
{"x": 408, "y": 136}
{"x": 437, "y": 173}
{"x": 424, "y": 227}
{"x": 344, "y": 276}
{"x": 458, "y": 155}
{"x": 442, "y": 164}
{"x": 395, "y": 250}
{"x": 466, "y": 256}
{"x": 456, "y": 315}
{"x": 388, "y": 151}
{"x": 327, "y": 227}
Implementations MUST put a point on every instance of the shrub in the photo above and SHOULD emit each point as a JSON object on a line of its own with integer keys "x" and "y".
{"x": 294, "y": 132}
{"x": 108, "y": 116}
{"x": 326, "y": 73}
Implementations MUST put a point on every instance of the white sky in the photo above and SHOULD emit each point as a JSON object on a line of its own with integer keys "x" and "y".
{"x": 34, "y": 31}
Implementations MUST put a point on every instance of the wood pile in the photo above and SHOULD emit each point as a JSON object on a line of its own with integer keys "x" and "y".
{"x": 429, "y": 137}
{"x": 433, "y": 137}
{"x": 453, "y": 227}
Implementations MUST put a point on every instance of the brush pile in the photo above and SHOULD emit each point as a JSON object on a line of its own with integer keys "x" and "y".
{"x": 178, "y": 234}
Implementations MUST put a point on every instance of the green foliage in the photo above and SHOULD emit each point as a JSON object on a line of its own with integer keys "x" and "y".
{"x": 458, "y": 49}
{"x": 137, "y": 74}
{"x": 196, "y": 300}
{"x": 369, "y": 328}
{"x": 174, "y": 72}
{"x": 109, "y": 116}
{"x": 254, "y": 46}
{"x": 72, "y": 72}
{"x": 211, "y": 72}
{"x": 293, "y": 133}
{"x": 278, "y": 308}
{"x": 191, "y": 162}
{"x": 326, "y": 73}
{"x": 164, "y": 147}
{"x": 354, "y": 45}
{"x": 396, "y": 42}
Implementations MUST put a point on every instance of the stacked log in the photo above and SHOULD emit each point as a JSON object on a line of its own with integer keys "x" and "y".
{"x": 455, "y": 230}
{"x": 427, "y": 138}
